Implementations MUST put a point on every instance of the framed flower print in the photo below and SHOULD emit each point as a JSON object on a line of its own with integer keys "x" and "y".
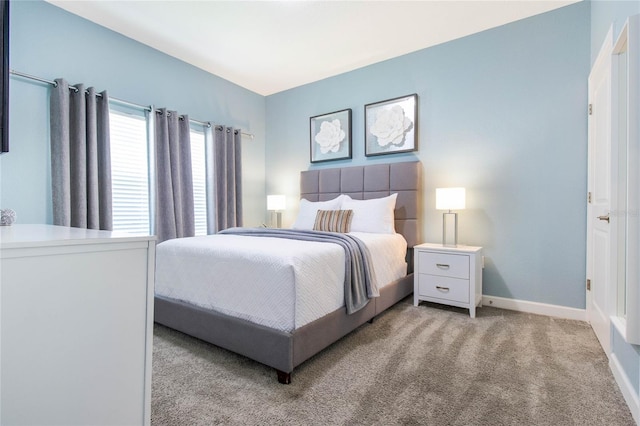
{"x": 330, "y": 136}
{"x": 391, "y": 126}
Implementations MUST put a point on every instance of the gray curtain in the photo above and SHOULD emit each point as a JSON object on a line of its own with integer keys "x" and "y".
{"x": 80, "y": 157}
{"x": 174, "y": 217}
{"x": 228, "y": 177}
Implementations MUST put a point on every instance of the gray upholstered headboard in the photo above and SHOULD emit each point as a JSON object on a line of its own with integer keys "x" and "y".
{"x": 374, "y": 181}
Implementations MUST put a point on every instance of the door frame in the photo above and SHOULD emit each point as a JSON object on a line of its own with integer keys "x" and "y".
{"x": 626, "y": 132}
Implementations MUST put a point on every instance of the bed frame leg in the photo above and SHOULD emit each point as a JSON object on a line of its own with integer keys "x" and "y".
{"x": 371, "y": 320}
{"x": 284, "y": 378}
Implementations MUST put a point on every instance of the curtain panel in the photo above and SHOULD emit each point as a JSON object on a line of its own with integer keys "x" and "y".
{"x": 228, "y": 177}
{"x": 80, "y": 157}
{"x": 174, "y": 210}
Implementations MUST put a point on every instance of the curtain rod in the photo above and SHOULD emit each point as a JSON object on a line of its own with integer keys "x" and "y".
{"x": 116, "y": 100}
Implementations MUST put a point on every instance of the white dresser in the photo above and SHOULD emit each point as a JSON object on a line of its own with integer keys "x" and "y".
{"x": 448, "y": 275}
{"x": 77, "y": 326}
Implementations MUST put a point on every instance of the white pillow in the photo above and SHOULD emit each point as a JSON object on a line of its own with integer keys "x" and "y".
{"x": 309, "y": 210}
{"x": 375, "y": 215}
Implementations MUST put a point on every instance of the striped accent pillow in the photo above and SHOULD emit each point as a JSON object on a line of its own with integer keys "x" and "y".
{"x": 333, "y": 220}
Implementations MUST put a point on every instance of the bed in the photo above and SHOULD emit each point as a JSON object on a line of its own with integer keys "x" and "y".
{"x": 284, "y": 346}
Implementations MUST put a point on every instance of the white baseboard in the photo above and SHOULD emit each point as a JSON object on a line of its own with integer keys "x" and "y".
{"x": 632, "y": 399}
{"x": 535, "y": 308}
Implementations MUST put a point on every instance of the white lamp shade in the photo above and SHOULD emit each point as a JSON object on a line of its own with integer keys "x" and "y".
{"x": 276, "y": 202}
{"x": 450, "y": 198}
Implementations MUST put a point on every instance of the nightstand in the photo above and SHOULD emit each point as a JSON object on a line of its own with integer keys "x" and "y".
{"x": 448, "y": 275}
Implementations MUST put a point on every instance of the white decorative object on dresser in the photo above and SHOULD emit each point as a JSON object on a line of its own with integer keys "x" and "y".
{"x": 77, "y": 326}
{"x": 448, "y": 275}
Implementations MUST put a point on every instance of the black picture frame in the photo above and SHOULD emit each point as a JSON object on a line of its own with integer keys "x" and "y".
{"x": 4, "y": 77}
{"x": 330, "y": 136}
{"x": 391, "y": 126}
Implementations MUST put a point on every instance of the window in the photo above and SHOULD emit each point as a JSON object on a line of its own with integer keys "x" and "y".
{"x": 130, "y": 172}
{"x": 132, "y": 206}
{"x": 199, "y": 172}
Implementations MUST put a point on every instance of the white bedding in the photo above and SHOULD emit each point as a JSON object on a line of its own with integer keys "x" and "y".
{"x": 280, "y": 283}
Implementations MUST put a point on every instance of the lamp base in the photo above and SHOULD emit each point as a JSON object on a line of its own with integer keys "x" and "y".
{"x": 277, "y": 222}
{"x": 450, "y": 229}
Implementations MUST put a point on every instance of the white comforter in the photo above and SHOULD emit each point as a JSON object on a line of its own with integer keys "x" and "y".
{"x": 280, "y": 283}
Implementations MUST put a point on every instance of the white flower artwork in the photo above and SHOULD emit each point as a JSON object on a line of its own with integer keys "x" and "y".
{"x": 330, "y": 136}
{"x": 390, "y": 126}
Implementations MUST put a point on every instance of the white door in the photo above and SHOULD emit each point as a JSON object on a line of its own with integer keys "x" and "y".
{"x": 601, "y": 182}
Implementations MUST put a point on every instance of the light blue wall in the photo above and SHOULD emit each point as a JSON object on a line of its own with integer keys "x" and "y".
{"x": 501, "y": 113}
{"x": 605, "y": 15}
{"x": 49, "y": 42}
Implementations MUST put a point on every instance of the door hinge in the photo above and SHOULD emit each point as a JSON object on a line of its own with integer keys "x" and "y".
{"x": 589, "y": 197}
{"x": 588, "y": 284}
{"x": 590, "y": 109}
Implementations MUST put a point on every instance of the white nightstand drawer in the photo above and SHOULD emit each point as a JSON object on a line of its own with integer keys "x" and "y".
{"x": 444, "y": 265}
{"x": 454, "y": 289}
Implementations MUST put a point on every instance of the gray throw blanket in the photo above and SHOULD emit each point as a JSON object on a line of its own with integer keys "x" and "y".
{"x": 359, "y": 280}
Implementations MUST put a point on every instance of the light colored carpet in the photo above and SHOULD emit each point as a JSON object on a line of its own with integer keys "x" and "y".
{"x": 426, "y": 365}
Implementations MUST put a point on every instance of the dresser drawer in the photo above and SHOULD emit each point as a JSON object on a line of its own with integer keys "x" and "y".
{"x": 444, "y": 264}
{"x": 446, "y": 288}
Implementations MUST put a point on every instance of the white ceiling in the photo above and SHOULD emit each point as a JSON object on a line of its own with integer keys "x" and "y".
{"x": 271, "y": 46}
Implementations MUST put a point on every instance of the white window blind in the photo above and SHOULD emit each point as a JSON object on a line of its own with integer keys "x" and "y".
{"x": 129, "y": 172}
{"x": 198, "y": 167}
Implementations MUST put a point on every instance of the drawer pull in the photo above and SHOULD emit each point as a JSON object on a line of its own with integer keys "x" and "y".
{"x": 445, "y": 289}
{"x": 442, "y": 265}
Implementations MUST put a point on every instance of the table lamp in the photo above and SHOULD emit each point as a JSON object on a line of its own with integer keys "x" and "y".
{"x": 450, "y": 199}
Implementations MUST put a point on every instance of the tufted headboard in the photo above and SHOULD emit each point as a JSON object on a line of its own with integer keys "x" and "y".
{"x": 373, "y": 181}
